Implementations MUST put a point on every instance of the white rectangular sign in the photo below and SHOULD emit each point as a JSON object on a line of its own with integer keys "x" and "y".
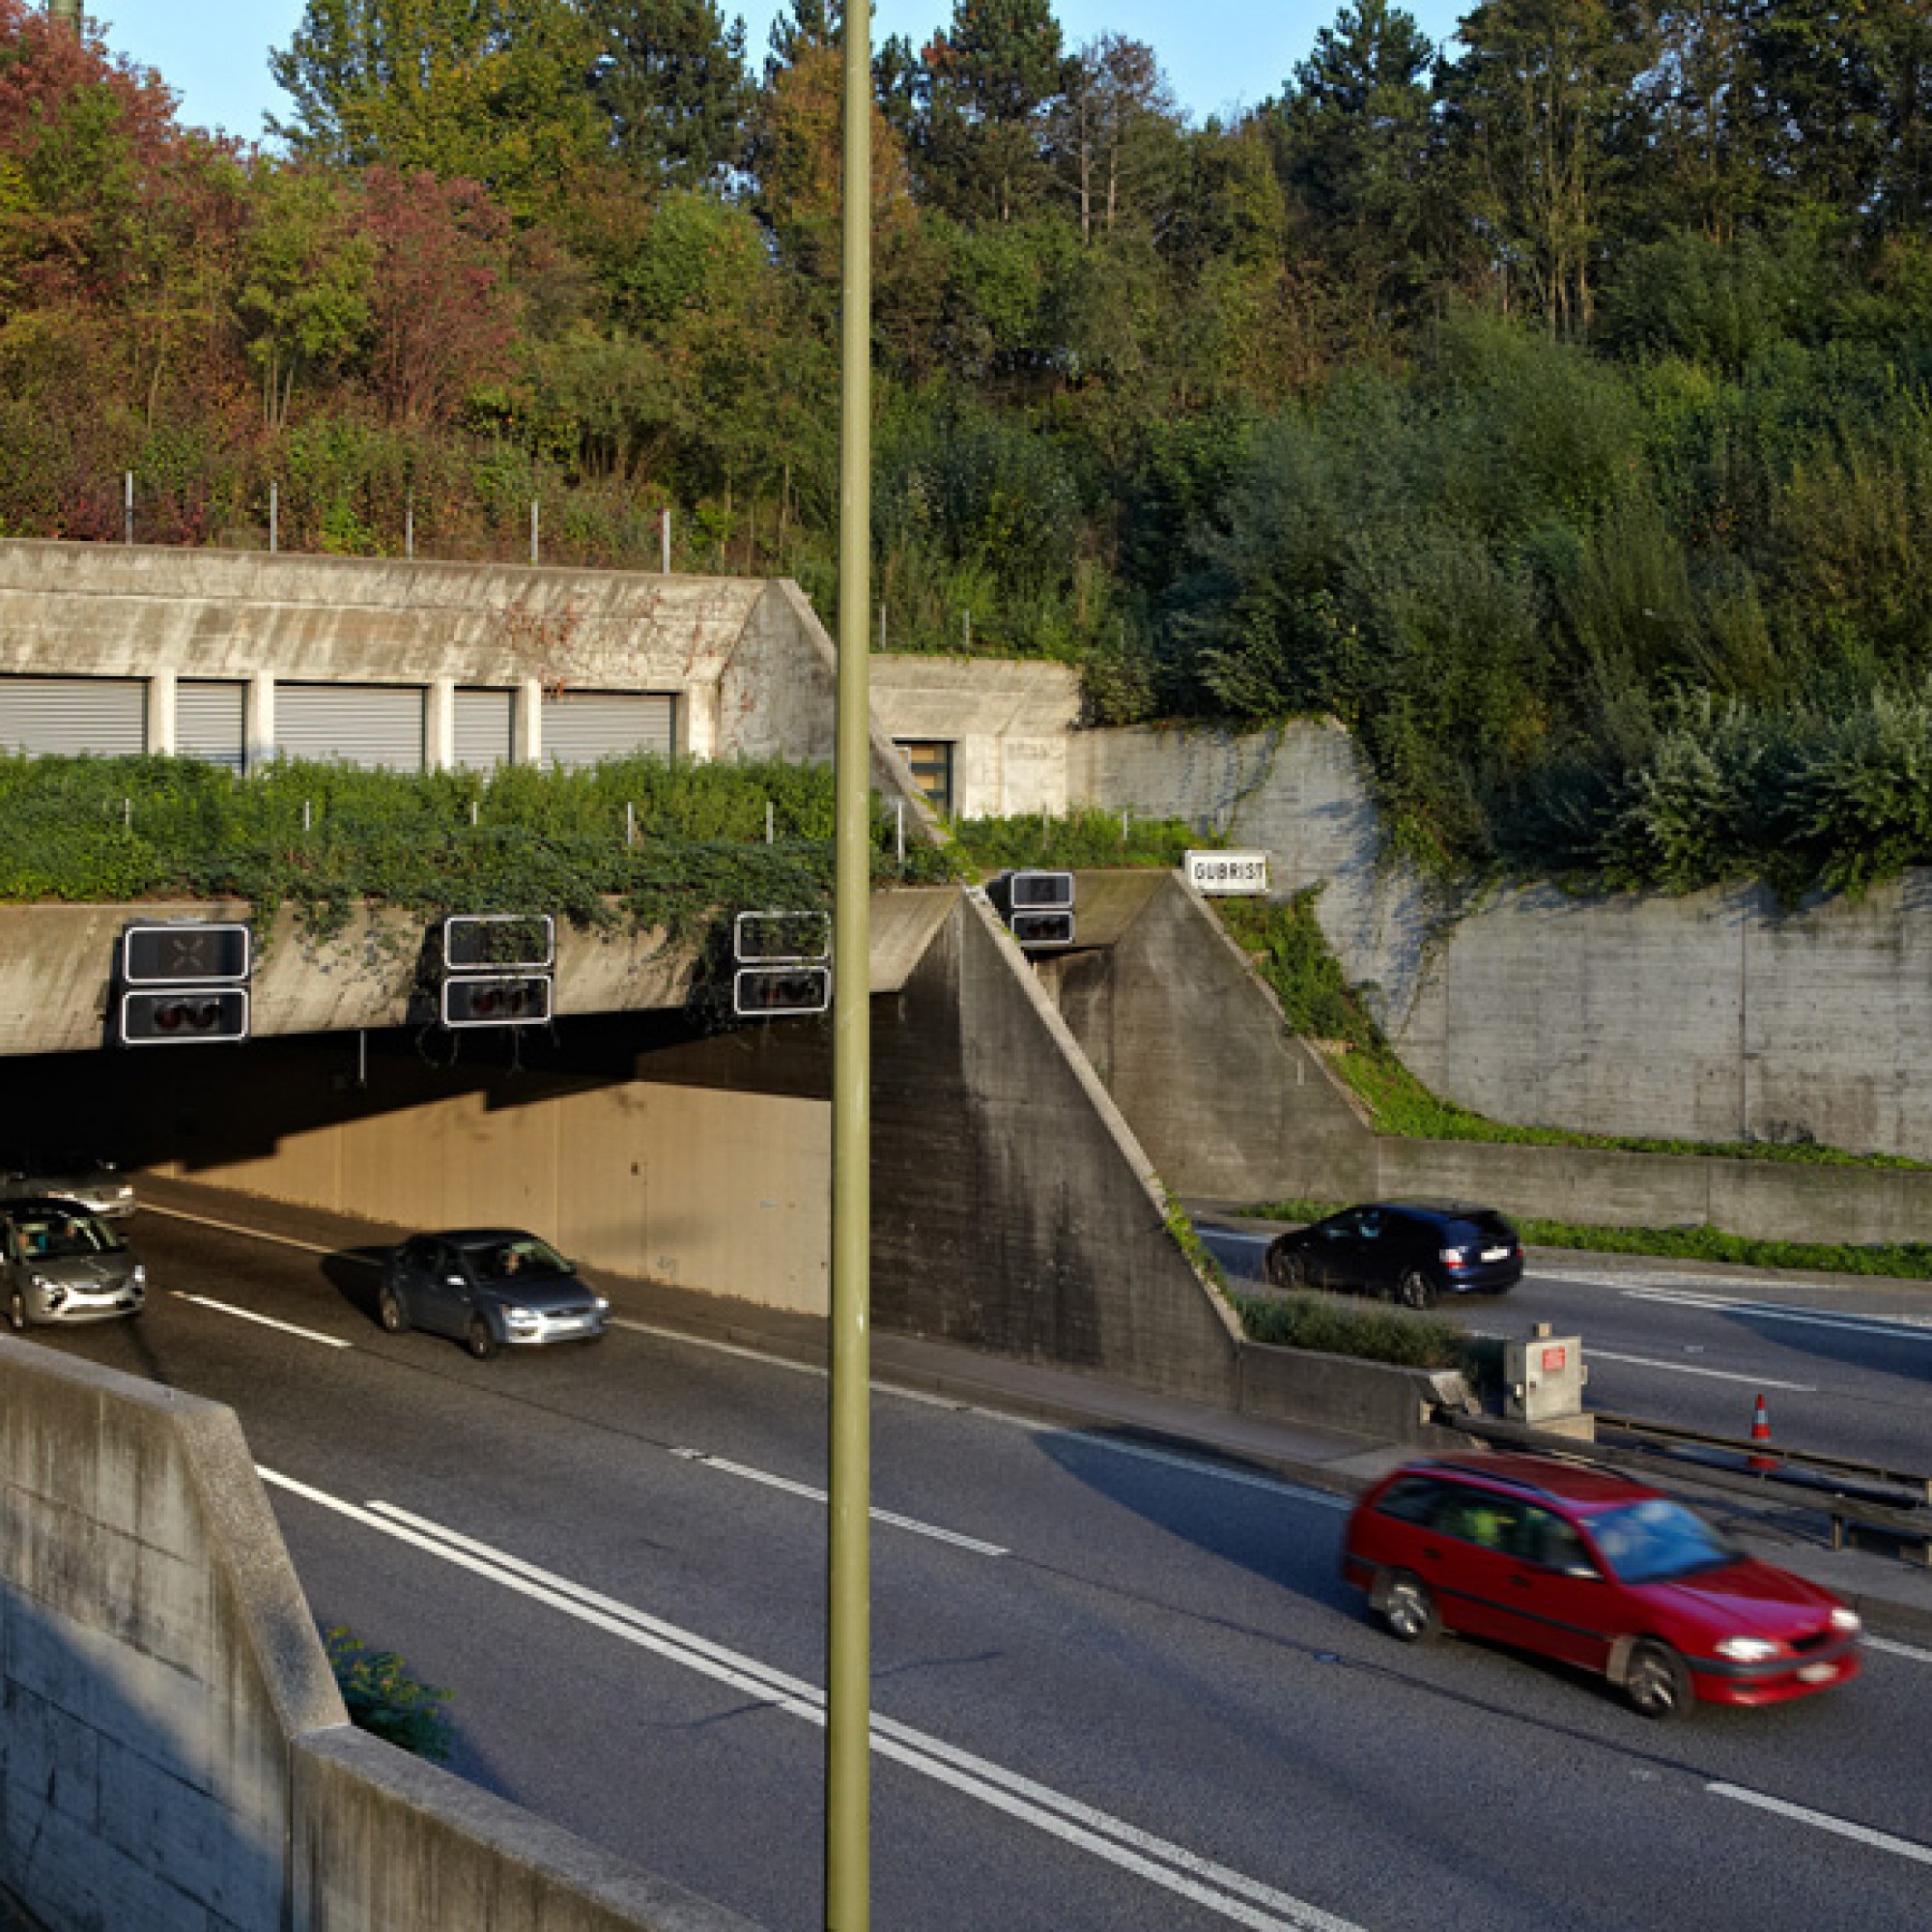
{"x": 1228, "y": 871}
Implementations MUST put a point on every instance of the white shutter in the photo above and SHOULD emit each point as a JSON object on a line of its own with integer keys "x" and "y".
{"x": 210, "y": 722}
{"x": 379, "y": 726}
{"x": 483, "y": 721}
{"x": 581, "y": 726}
{"x": 107, "y": 716}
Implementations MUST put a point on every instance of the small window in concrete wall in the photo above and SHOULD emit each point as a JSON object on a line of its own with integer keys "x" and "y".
{"x": 379, "y": 726}
{"x": 105, "y": 716}
{"x": 483, "y": 724}
{"x": 581, "y": 726}
{"x": 210, "y": 722}
{"x": 932, "y": 762}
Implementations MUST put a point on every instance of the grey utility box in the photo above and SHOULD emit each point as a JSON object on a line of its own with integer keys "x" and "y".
{"x": 1543, "y": 1383}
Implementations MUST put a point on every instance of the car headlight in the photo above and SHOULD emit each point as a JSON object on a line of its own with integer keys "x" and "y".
{"x": 45, "y": 1286}
{"x": 1845, "y": 1622}
{"x": 1454, "y": 1257}
{"x": 1748, "y": 1649}
{"x": 603, "y": 1304}
{"x": 520, "y": 1318}
{"x": 140, "y": 1274}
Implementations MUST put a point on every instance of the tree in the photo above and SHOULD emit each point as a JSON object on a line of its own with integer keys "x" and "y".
{"x": 304, "y": 297}
{"x": 1535, "y": 107}
{"x": 670, "y": 76}
{"x": 987, "y": 83}
{"x": 491, "y": 89}
{"x": 1353, "y": 138}
{"x": 442, "y": 320}
{"x": 1110, "y": 129}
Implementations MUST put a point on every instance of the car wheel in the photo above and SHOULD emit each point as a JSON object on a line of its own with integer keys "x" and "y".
{"x": 1288, "y": 1268}
{"x": 391, "y": 1313}
{"x": 1416, "y": 1289}
{"x": 1407, "y": 1610}
{"x": 16, "y": 1311}
{"x": 1655, "y": 1681}
{"x": 480, "y": 1340}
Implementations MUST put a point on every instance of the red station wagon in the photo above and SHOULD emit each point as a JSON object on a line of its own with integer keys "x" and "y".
{"x": 1595, "y": 1570}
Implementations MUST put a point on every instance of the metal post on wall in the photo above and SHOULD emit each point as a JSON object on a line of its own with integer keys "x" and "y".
{"x": 128, "y": 508}
{"x": 533, "y": 530}
{"x": 409, "y": 524}
{"x": 664, "y": 540}
{"x": 274, "y": 517}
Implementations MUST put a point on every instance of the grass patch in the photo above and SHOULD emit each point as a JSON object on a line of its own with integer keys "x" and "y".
{"x": 1368, "y": 1330}
{"x": 1285, "y": 940}
{"x": 1906, "y": 1261}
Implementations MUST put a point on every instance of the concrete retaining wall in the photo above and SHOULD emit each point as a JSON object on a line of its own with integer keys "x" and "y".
{"x": 1717, "y": 1016}
{"x": 1371, "y": 1399}
{"x": 175, "y": 1753}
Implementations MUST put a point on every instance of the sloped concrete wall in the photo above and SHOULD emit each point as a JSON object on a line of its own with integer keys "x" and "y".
{"x": 175, "y": 1753}
{"x": 1012, "y": 1208}
{"x": 1192, "y": 1045}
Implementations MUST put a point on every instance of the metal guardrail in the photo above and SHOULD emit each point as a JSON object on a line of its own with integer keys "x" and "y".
{"x": 1896, "y": 1504}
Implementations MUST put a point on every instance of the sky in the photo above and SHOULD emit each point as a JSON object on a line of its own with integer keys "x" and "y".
{"x": 1218, "y": 54}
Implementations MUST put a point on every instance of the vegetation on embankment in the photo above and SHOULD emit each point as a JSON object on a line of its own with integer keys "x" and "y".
{"x": 1085, "y": 837}
{"x": 1603, "y": 533}
{"x": 669, "y": 842}
{"x": 1368, "y": 1330}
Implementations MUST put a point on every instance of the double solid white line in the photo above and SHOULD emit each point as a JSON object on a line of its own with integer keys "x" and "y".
{"x": 1232, "y": 1894}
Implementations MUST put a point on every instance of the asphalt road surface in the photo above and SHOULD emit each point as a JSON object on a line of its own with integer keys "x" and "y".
{"x": 1115, "y": 1688}
{"x": 1845, "y": 1370}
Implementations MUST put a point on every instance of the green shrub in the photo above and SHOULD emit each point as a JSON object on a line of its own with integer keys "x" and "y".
{"x": 384, "y": 1699}
{"x": 1089, "y": 837}
{"x": 1368, "y": 1330}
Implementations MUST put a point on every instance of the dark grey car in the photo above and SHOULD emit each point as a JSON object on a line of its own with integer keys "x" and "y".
{"x": 491, "y": 1287}
{"x": 59, "y": 1262}
{"x": 95, "y": 1183}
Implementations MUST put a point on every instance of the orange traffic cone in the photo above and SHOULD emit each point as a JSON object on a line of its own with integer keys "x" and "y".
{"x": 1761, "y": 1433}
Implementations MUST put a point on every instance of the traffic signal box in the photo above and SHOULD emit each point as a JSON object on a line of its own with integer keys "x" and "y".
{"x": 498, "y": 968}
{"x": 782, "y": 963}
{"x": 1037, "y": 907}
{"x": 183, "y": 983}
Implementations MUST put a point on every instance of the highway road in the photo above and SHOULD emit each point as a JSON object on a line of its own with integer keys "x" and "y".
{"x": 1845, "y": 1369}
{"x": 1115, "y": 1688}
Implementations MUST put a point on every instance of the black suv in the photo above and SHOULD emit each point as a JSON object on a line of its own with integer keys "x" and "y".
{"x": 1413, "y": 1251}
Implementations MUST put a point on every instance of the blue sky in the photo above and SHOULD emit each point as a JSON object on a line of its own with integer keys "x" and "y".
{"x": 1219, "y": 54}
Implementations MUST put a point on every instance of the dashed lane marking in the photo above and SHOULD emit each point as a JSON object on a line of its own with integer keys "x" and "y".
{"x": 265, "y": 1321}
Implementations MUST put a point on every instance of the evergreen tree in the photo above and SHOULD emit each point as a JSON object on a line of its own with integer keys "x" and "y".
{"x": 670, "y": 76}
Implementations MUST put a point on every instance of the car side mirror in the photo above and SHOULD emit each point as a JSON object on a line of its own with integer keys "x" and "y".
{"x": 1584, "y": 1572}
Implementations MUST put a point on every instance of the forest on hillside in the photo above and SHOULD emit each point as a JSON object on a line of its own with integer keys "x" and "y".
{"x": 1553, "y": 407}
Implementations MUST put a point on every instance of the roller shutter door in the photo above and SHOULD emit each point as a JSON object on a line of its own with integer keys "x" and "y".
{"x": 483, "y": 722}
{"x": 107, "y": 716}
{"x": 379, "y": 726}
{"x": 210, "y": 722}
{"x": 581, "y": 726}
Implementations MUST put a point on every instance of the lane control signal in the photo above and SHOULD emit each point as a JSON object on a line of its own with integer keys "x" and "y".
{"x": 183, "y": 982}
{"x": 1037, "y": 907}
{"x": 782, "y": 963}
{"x": 499, "y": 968}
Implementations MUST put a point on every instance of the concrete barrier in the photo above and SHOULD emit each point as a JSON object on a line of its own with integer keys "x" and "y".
{"x": 175, "y": 1753}
{"x": 1371, "y": 1399}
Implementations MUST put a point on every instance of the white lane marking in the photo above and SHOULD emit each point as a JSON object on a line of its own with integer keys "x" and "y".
{"x": 1690, "y": 1369}
{"x": 1901, "y": 1327}
{"x": 1231, "y": 1894}
{"x": 1843, "y": 1828}
{"x": 717, "y": 1347}
{"x": 806, "y": 1490}
{"x": 257, "y": 1234}
{"x": 1894, "y": 1649}
{"x": 266, "y": 1320}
